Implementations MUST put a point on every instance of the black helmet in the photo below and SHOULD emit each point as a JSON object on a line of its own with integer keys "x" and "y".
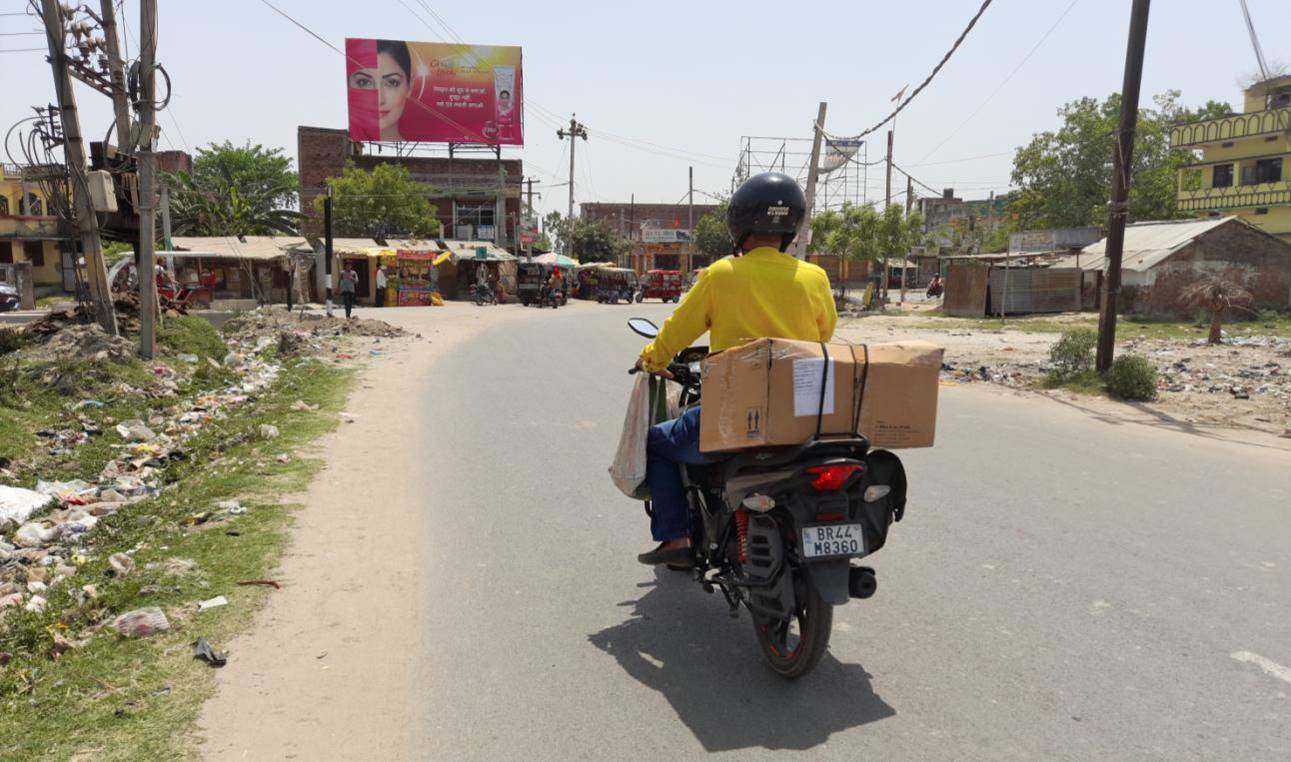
{"x": 767, "y": 203}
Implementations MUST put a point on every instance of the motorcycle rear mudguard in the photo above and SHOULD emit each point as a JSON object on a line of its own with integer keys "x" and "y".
{"x": 830, "y": 580}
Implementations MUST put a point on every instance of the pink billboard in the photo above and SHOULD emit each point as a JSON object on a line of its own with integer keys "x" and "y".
{"x": 434, "y": 92}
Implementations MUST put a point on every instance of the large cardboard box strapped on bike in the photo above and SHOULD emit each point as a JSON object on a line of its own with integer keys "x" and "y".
{"x": 770, "y": 392}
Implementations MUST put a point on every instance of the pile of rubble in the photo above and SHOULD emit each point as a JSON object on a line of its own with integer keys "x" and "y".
{"x": 125, "y": 303}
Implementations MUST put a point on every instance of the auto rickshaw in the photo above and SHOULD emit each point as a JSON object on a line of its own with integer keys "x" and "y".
{"x": 664, "y": 285}
{"x": 614, "y": 284}
{"x": 531, "y": 277}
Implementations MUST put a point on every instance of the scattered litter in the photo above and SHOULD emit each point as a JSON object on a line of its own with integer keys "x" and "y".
{"x": 16, "y": 503}
{"x": 36, "y": 604}
{"x": 135, "y": 431}
{"x": 321, "y": 655}
{"x": 88, "y": 403}
{"x": 203, "y": 650}
{"x": 302, "y": 406}
{"x": 141, "y": 623}
{"x": 121, "y": 564}
{"x": 283, "y": 458}
{"x": 265, "y": 582}
{"x": 179, "y": 565}
{"x": 156, "y": 692}
{"x": 268, "y": 431}
{"x": 212, "y": 603}
{"x": 186, "y": 357}
{"x": 349, "y": 417}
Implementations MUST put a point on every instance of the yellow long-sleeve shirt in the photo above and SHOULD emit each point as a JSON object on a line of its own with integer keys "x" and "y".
{"x": 764, "y": 293}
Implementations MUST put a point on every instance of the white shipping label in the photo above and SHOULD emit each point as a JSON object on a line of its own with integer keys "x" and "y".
{"x": 807, "y": 374}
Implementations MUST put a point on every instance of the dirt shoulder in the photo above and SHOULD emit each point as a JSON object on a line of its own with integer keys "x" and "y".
{"x": 335, "y": 639}
{"x": 1244, "y": 383}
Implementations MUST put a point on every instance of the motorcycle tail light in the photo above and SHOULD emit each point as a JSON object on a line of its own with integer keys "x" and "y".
{"x": 759, "y": 503}
{"x": 834, "y": 477}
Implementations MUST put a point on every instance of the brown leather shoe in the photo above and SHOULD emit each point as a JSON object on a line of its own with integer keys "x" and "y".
{"x": 670, "y": 556}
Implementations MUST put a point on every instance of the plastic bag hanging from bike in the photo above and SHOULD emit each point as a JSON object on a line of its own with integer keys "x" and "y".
{"x": 652, "y": 401}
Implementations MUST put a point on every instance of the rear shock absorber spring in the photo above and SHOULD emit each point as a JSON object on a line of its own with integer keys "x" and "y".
{"x": 742, "y": 532}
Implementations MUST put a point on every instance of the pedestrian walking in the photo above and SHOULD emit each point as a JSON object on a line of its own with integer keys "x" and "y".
{"x": 381, "y": 285}
{"x": 348, "y": 287}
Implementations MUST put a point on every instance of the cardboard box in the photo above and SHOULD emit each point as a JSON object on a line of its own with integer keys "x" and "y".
{"x": 769, "y": 392}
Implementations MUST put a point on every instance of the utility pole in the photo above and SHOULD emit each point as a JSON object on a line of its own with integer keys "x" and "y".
{"x": 576, "y": 130}
{"x": 74, "y": 154}
{"x": 887, "y": 201}
{"x": 909, "y": 202}
{"x": 116, "y": 72}
{"x": 813, "y": 171}
{"x": 530, "y": 183}
{"x": 1122, "y": 161}
{"x": 147, "y": 163}
{"x": 690, "y": 218}
{"x": 327, "y": 248}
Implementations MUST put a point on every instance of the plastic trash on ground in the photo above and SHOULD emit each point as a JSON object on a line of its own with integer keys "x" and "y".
{"x": 16, "y": 503}
{"x": 141, "y": 623}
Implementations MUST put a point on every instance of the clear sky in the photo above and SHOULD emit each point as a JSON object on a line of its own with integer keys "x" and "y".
{"x": 689, "y": 76}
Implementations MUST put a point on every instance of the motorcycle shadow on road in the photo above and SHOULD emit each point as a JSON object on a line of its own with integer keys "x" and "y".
{"x": 683, "y": 644}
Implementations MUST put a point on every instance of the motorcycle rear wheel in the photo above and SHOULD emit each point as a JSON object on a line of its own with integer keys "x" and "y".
{"x": 792, "y": 655}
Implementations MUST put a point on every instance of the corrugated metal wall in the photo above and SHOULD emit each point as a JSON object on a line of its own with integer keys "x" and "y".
{"x": 965, "y": 290}
{"x": 1033, "y": 290}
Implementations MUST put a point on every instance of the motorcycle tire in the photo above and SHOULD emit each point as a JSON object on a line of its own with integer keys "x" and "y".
{"x": 815, "y": 621}
{"x": 640, "y": 297}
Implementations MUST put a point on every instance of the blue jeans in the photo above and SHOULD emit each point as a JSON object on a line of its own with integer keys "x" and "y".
{"x": 669, "y": 445}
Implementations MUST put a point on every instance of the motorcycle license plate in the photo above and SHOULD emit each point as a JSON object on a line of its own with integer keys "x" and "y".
{"x": 833, "y": 540}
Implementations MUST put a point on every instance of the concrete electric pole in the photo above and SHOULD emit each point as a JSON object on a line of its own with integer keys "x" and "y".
{"x": 1122, "y": 161}
{"x": 116, "y": 72}
{"x": 909, "y": 202}
{"x": 74, "y": 154}
{"x": 575, "y": 130}
{"x": 813, "y": 172}
{"x": 147, "y": 164}
{"x": 887, "y": 201}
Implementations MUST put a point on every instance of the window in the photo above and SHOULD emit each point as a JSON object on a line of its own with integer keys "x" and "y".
{"x": 1262, "y": 171}
{"x": 34, "y": 251}
{"x": 1261, "y": 210}
{"x": 4, "y": 206}
{"x": 1225, "y": 145}
{"x": 31, "y": 206}
{"x": 6, "y": 253}
{"x": 1222, "y": 177}
{"x": 479, "y": 216}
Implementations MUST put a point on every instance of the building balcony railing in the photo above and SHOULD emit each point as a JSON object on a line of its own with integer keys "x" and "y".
{"x": 1236, "y": 197}
{"x": 1235, "y": 127}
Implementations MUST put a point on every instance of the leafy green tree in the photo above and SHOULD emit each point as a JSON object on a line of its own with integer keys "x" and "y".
{"x": 711, "y": 236}
{"x": 1065, "y": 175}
{"x": 586, "y": 241}
{"x": 383, "y": 203}
{"x": 235, "y": 190}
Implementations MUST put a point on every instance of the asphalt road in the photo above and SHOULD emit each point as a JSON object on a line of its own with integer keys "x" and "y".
{"x": 1063, "y": 586}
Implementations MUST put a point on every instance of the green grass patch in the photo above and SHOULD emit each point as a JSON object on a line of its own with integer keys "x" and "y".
{"x": 188, "y": 334}
{"x": 1086, "y": 382}
{"x": 116, "y": 699}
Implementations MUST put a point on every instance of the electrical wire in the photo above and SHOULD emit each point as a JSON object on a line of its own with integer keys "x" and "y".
{"x": 1043, "y": 38}
{"x": 900, "y": 107}
{"x": 24, "y": 50}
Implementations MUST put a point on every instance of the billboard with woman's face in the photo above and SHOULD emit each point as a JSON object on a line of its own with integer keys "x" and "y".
{"x": 433, "y": 92}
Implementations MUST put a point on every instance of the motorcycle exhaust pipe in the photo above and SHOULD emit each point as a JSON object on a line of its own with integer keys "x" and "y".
{"x": 861, "y": 582}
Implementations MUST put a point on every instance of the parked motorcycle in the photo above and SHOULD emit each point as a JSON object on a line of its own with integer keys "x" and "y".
{"x": 9, "y": 298}
{"x": 483, "y": 295}
{"x": 777, "y": 530}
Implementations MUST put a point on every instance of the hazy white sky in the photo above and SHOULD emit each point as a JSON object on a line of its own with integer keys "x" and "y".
{"x": 690, "y": 76}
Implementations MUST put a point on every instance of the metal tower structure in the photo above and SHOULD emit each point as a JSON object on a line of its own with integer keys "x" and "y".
{"x": 843, "y": 172}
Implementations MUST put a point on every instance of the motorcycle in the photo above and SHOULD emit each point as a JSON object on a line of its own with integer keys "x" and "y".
{"x": 483, "y": 295}
{"x": 777, "y": 530}
{"x": 934, "y": 288}
{"x": 550, "y": 297}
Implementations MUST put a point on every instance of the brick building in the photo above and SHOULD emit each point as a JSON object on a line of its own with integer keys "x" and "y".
{"x": 476, "y": 199}
{"x": 660, "y": 233}
{"x": 1161, "y": 259}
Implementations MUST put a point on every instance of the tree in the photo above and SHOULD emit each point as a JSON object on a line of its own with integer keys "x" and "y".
{"x": 383, "y": 203}
{"x": 1217, "y": 295}
{"x": 711, "y": 236}
{"x": 1065, "y": 176}
{"x": 586, "y": 241}
{"x": 235, "y": 190}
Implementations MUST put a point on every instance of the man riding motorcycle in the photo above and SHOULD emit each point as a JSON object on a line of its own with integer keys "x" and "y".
{"x": 760, "y": 292}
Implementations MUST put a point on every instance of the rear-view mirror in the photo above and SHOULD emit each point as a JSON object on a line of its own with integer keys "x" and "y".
{"x": 643, "y": 327}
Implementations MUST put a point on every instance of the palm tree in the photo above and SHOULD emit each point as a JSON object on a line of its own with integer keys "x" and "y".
{"x": 1217, "y": 295}
{"x": 223, "y": 208}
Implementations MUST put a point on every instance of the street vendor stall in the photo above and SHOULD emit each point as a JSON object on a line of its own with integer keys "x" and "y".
{"x": 458, "y": 272}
